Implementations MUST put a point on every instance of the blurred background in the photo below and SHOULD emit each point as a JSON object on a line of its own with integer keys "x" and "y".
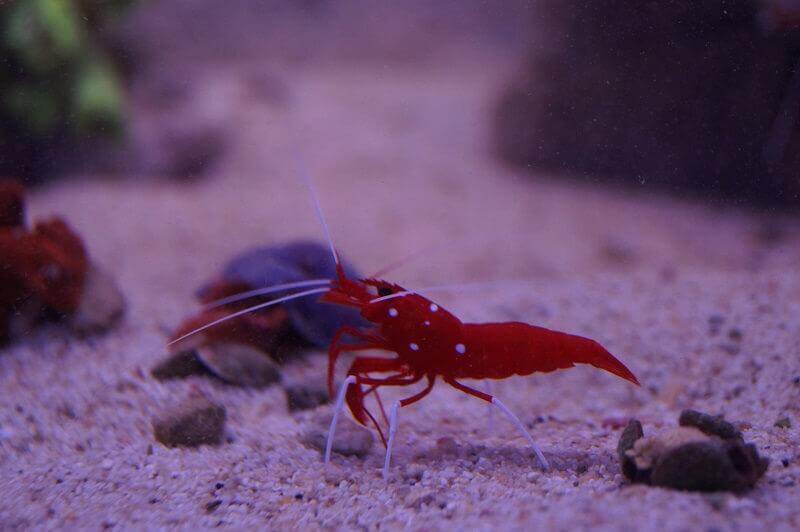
{"x": 592, "y": 136}
{"x": 678, "y": 96}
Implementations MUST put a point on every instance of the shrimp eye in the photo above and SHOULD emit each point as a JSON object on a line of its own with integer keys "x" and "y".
{"x": 384, "y": 291}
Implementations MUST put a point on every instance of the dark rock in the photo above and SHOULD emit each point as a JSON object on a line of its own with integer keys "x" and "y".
{"x": 735, "y": 335}
{"x": 179, "y": 366}
{"x": 697, "y": 466}
{"x": 101, "y": 304}
{"x": 213, "y": 505}
{"x": 713, "y": 425}
{"x": 784, "y": 423}
{"x": 239, "y": 364}
{"x": 195, "y": 422}
{"x": 715, "y": 465}
{"x": 629, "y": 436}
{"x": 704, "y": 454}
{"x": 305, "y": 396}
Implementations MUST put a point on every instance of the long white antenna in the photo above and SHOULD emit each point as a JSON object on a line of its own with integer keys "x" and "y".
{"x": 264, "y": 291}
{"x": 250, "y": 309}
{"x": 479, "y": 285}
{"x": 306, "y": 177}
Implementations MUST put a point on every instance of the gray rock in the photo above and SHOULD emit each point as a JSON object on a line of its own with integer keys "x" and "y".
{"x": 715, "y": 465}
{"x": 196, "y": 421}
{"x": 705, "y": 453}
{"x": 179, "y": 366}
{"x": 239, "y": 364}
{"x": 305, "y": 396}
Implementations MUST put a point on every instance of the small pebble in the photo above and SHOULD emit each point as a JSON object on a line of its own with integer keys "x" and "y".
{"x": 239, "y": 364}
{"x": 195, "y": 422}
{"x": 179, "y": 366}
{"x": 784, "y": 423}
{"x": 305, "y": 396}
{"x": 213, "y": 505}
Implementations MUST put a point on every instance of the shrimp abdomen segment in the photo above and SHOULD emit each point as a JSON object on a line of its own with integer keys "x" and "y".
{"x": 500, "y": 350}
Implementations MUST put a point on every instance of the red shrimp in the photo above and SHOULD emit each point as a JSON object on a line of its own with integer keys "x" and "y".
{"x": 430, "y": 342}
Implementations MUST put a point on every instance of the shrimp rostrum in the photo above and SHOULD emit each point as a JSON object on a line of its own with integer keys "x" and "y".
{"x": 430, "y": 343}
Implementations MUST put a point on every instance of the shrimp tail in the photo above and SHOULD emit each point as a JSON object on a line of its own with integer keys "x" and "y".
{"x": 499, "y": 350}
{"x": 582, "y": 350}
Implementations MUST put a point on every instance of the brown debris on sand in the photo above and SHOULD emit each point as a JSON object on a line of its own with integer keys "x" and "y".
{"x": 705, "y": 453}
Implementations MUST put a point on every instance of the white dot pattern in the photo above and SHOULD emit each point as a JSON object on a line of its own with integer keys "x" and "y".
{"x": 434, "y": 307}
{"x": 413, "y": 346}
{"x": 461, "y": 349}
{"x": 393, "y": 312}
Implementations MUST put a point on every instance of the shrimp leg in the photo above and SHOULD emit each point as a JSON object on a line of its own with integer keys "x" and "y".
{"x": 396, "y": 380}
{"x": 360, "y": 367}
{"x": 508, "y": 413}
{"x": 393, "y": 421}
{"x": 371, "y": 341}
{"x": 490, "y": 414}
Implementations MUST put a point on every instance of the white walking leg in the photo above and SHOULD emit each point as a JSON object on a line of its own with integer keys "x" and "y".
{"x": 390, "y": 442}
{"x": 515, "y": 420}
{"x": 490, "y": 422}
{"x": 336, "y": 410}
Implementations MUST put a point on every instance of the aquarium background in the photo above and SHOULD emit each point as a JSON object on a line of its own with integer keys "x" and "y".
{"x": 626, "y": 172}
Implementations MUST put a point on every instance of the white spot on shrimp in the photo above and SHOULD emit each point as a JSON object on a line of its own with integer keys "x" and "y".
{"x": 413, "y": 346}
{"x": 434, "y": 307}
{"x": 461, "y": 349}
{"x": 426, "y": 322}
{"x": 393, "y": 312}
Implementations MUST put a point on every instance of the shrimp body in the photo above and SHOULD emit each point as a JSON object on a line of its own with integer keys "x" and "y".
{"x": 431, "y": 342}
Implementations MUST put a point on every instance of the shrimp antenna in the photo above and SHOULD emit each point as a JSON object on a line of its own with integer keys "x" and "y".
{"x": 478, "y": 285}
{"x": 248, "y": 310}
{"x": 263, "y": 291}
{"x": 306, "y": 177}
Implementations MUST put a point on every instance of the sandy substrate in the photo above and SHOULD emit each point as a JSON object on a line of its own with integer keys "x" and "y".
{"x": 402, "y": 162}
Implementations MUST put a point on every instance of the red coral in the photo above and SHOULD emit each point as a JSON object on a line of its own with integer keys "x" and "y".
{"x": 41, "y": 270}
